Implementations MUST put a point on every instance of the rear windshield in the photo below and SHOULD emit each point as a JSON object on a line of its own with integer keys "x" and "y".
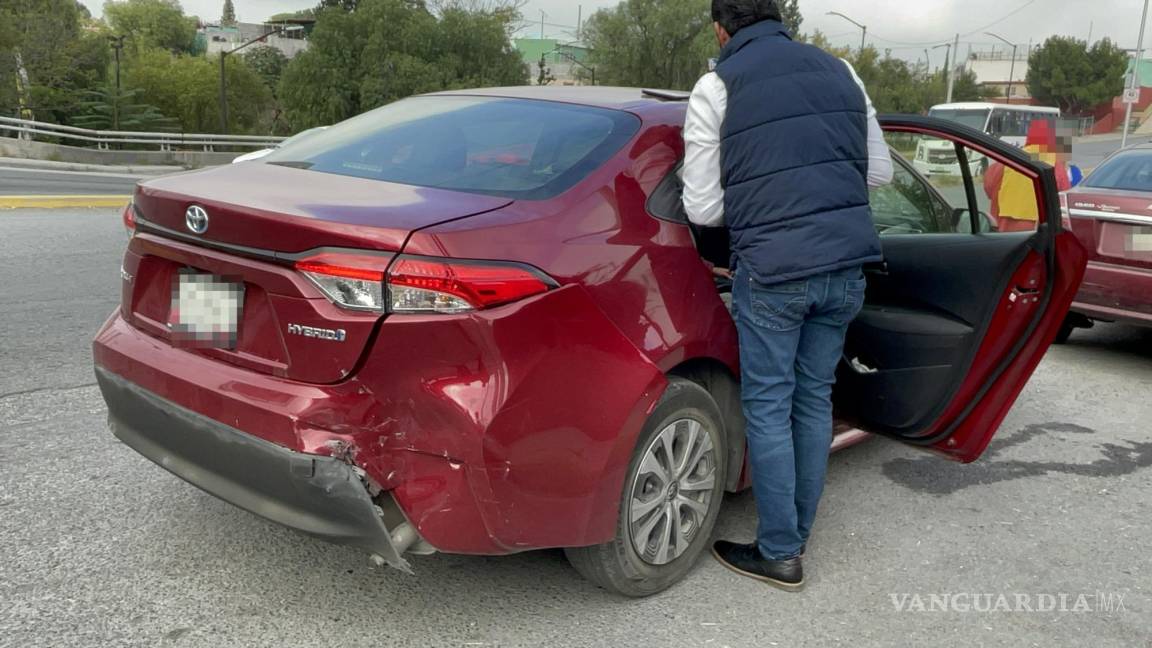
{"x": 513, "y": 148}
{"x": 1127, "y": 171}
{"x": 977, "y": 119}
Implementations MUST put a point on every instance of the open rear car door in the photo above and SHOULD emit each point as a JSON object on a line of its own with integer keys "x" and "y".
{"x": 970, "y": 295}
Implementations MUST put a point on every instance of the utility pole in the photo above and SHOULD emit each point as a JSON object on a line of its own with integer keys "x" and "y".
{"x": 952, "y": 66}
{"x": 1012, "y": 67}
{"x": 580, "y": 23}
{"x": 1134, "y": 81}
{"x": 224, "y": 54}
{"x": 542, "y": 17}
{"x": 117, "y": 46}
{"x": 223, "y": 94}
{"x": 947, "y": 69}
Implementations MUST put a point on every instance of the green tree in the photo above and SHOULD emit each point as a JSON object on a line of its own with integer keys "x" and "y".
{"x": 110, "y": 109}
{"x": 268, "y": 62}
{"x": 545, "y": 76}
{"x": 389, "y": 49}
{"x": 188, "y": 89}
{"x": 309, "y": 14}
{"x": 228, "y": 17}
{"x": 651, "y": 43}
{"x": 152, "y": 23}
{"x": 1065, "y": 72}
{"x": 61, "y": 50}
{"x": 343, "y": 5}
{"x": 793, "y": 19}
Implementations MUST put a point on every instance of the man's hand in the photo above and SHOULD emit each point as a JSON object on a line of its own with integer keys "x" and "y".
{"x": 722, "y": 273}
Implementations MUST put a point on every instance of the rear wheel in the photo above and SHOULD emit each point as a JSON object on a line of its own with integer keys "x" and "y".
{"x": 1072, "y": 322}
{"x": 672, "y": 496}
{"x": 1066, "y": 330}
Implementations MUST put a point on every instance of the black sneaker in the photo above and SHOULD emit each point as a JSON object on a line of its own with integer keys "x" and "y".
{"x": 746, "y": 560}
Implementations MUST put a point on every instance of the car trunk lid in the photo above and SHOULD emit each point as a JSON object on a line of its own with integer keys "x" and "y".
{"x": 262, "y": 218}
{"x": 1116, "y": 228}
{"x": 289, "y": 210}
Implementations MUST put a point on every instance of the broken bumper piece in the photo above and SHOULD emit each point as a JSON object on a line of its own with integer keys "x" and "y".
{"x": 320, "y": 496}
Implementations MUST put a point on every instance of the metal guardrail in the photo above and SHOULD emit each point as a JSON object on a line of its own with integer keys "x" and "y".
{"x": 29, "y": 130}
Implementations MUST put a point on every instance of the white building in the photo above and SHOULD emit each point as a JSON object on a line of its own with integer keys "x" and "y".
{"x": 291, "y": 40}
{"x": 996, "y": 69}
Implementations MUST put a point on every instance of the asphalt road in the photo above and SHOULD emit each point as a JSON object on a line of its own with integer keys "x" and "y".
{"x": 102, "y": 548}
{"x": 28, "y": 182}
{"x": 1090, "y": 153}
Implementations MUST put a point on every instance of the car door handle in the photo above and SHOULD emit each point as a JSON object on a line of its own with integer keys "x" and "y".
{"x": 1024, "y": 294}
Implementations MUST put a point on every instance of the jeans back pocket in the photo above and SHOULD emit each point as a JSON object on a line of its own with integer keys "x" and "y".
{"x": 780, "y": 307}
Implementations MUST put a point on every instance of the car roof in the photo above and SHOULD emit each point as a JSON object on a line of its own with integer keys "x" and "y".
{"x": 630, "y": 99}
{"x": 981, "y": 105}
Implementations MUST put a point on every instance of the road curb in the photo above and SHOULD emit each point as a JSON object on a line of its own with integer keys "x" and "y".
{"x": 137, "y": 170}
{"x": 62, "y": 202}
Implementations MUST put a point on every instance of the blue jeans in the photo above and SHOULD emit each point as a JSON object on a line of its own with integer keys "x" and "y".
{"x": 791, "y": 340}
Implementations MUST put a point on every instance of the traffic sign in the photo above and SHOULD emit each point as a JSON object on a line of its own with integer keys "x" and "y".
{"x": 1131, "y": 95}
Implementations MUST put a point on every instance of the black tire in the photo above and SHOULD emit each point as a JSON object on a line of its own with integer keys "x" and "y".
{"x": 617, "y": 566}
{"x": 1066, "y": 330}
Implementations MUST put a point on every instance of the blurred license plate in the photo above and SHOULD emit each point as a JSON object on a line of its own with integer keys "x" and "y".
{"x": 1141, "y": 239}
{"x": 206, "y": 310}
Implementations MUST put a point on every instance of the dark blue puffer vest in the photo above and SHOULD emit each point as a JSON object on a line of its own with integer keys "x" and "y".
{"x": 794, "y": 157}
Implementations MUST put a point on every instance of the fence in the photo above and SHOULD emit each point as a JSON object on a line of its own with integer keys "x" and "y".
{"x": 105, "y": 140}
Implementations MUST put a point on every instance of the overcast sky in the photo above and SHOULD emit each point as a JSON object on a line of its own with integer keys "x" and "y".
{"x": 905, "y": 26}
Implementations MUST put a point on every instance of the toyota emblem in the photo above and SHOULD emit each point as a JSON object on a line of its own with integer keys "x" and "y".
{"x": 196, "y": 219}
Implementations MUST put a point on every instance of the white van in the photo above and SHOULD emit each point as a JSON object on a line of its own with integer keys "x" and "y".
{"x": 1007, "y": 122}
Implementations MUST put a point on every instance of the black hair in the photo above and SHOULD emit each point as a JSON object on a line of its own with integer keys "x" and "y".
{"x": 734, "y": 15}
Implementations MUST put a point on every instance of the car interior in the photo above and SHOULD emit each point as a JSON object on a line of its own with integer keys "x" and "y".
{"x": 928, "y": 303}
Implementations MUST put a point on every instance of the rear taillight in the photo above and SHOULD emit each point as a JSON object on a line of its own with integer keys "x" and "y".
{"x": 419, "y": 284}
{"x": 351, "y": 281}
{"x": 129, "y": 218}
{"x": 433, "y": 285}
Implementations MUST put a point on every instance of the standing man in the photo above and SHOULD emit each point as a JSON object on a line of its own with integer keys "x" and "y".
{"x": 782, "y": 144}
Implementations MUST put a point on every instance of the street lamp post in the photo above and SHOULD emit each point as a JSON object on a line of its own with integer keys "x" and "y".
{"x": 1134, "y": 80}
{"x": 948, "y": 65}
{"x": 863, "y": 28}
{"x": 1012, "y": 68}
{"x": 118, "y": 46}
{"x": 224, "y": 78}
{"x": 570, "y": 57}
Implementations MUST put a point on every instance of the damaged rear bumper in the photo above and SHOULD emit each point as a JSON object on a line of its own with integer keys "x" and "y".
{"x": 321, "y": 496}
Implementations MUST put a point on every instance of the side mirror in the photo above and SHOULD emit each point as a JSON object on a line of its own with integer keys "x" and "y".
{"x": 1075, "y": 175}
{"x": 962, "y": 223}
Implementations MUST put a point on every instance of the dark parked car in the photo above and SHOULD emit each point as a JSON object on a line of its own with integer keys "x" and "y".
{"x": 1111, "y": 214}
{"x": 478, "y": 323}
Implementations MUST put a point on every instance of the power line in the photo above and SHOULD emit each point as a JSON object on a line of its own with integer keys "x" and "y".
{"x": 990, "y": 25}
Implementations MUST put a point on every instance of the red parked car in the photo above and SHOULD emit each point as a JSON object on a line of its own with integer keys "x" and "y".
{"x": 1111, "y": 214}
{"x": 478, "y": 323}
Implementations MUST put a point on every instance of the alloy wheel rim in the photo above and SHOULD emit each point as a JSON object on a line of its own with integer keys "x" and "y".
{"x": 672, "y": 492}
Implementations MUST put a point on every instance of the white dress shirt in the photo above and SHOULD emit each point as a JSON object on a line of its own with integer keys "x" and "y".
{"x": 703, "y": 188}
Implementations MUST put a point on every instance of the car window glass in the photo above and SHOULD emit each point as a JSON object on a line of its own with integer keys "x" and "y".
{"x": 513, "y": 148}
{"x": 908, "y": 205}
{"x": 1006, "y": 201}
{"x": 1126, "y": 172}
{"x": 667, "y": 201}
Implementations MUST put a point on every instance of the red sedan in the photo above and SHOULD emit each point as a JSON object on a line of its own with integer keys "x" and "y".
{"x": 1111, "y": 214}
{"x": 479, "y": 323}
